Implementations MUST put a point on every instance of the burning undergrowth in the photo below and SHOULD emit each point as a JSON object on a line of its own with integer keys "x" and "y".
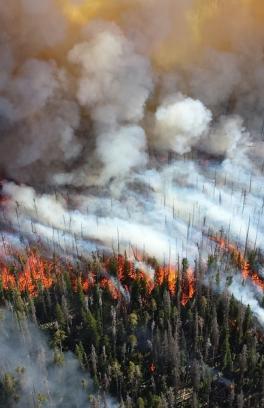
{"x": 228, "y": 268}
{"x": 237, "y": 270}
{"x": 121, "y": 136}
{"x": 129, "y": 320}
{"x": 116, "y": 134}
{"x": 31, "y": 273}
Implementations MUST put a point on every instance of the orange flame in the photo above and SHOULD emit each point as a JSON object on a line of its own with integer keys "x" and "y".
{"x": 188, "y": 287}
{"x": 240, "y": 261}
{"x": 8, "y": 280}
{"x": 167, "y": 274}
{"x": 112, "y": 289}
{"x": 126, "y": 271}
{"x": 35, "y": 273}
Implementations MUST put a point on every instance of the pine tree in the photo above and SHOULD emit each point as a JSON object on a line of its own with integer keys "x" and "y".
{"x": 240, "y": 400}
{"x": 226, "y": 353}
{"x": 231, "y": 396}
{"x": 91, "y": 334}
{"x": 243, "y": 363}
{"x": 59, "y": 315}
{"x": 215, "y": 333}
{"x": 81, "y": 355}
{"x": 140, "y": 403}
{"x": 247, "y": 321}
{"x": 93, "y": 358}
{"x": 196, "y": 375}
{"x": 195, "y": 402}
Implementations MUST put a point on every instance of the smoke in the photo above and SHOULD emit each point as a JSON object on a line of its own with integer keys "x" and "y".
{"x": 26, "y": 356}
{"x": 132, "y": 123}
{"x": 122, "y": 150}
{"x": 35, "y": 212}
{"x": 249, "y": 296}
{"x": 180, "y": 124}
{"x": 115, "y": 86}
{"x": 113, "y": 89}
{"x": 66, "y": 86}
{"x": 228, "y": 138}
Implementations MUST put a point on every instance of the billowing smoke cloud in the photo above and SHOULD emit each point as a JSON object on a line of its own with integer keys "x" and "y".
{"x": 180, "y": 123}
{"x": 116, "y": 129}
{"x": 71, "y": 77}
{"x": 115, "y": 82}
{"x": 122, "y": 150}
{"x": 113, "y": 89}
{"x": 228, "y": 138}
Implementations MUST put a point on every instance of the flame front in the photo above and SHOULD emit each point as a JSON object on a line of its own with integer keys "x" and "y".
{"x": 167, "y": 274}
{"x": 36, "y": 273}
{"x": 240, "y": 260}
{"x": 188, "y": 287}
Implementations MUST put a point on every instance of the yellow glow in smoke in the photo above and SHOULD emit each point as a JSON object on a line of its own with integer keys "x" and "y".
{"x": 80, "y": 12}
{"x": 217, "y": 24}
{"x": 207, "y": 23}
{"x": 198, "y": 15}
{"x": 184, "y": 48}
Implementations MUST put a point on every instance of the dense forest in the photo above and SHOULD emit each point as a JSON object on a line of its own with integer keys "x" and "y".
{"x": 170, "y": 341}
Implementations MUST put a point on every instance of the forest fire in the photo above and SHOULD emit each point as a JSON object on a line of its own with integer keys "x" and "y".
{"x": 33, "y": 273}
{"x": 127, "y": 271}
{"x": 167, "y": 274}
{"x": 188, "y": 287}
{"x": 240, "y": 260}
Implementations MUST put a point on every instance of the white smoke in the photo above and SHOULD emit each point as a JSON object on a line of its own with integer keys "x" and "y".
{"x": 121, "y": 151}
{"x": 247, "y": 295}
{"x": 115, "y": 82}
{"x": 180, "y": 123}
{"x": 227, "y": 138}
{"x": 26, "y": 356}
{"x": 143, "y": 143}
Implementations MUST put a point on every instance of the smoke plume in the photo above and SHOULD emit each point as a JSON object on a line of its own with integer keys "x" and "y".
{"x": 132, "y": 123}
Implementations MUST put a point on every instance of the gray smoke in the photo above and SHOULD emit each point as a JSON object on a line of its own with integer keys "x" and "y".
{"x": 25, "y": 355}
{"x": 122, "y": 133}
{"x": 64, "y": 98}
